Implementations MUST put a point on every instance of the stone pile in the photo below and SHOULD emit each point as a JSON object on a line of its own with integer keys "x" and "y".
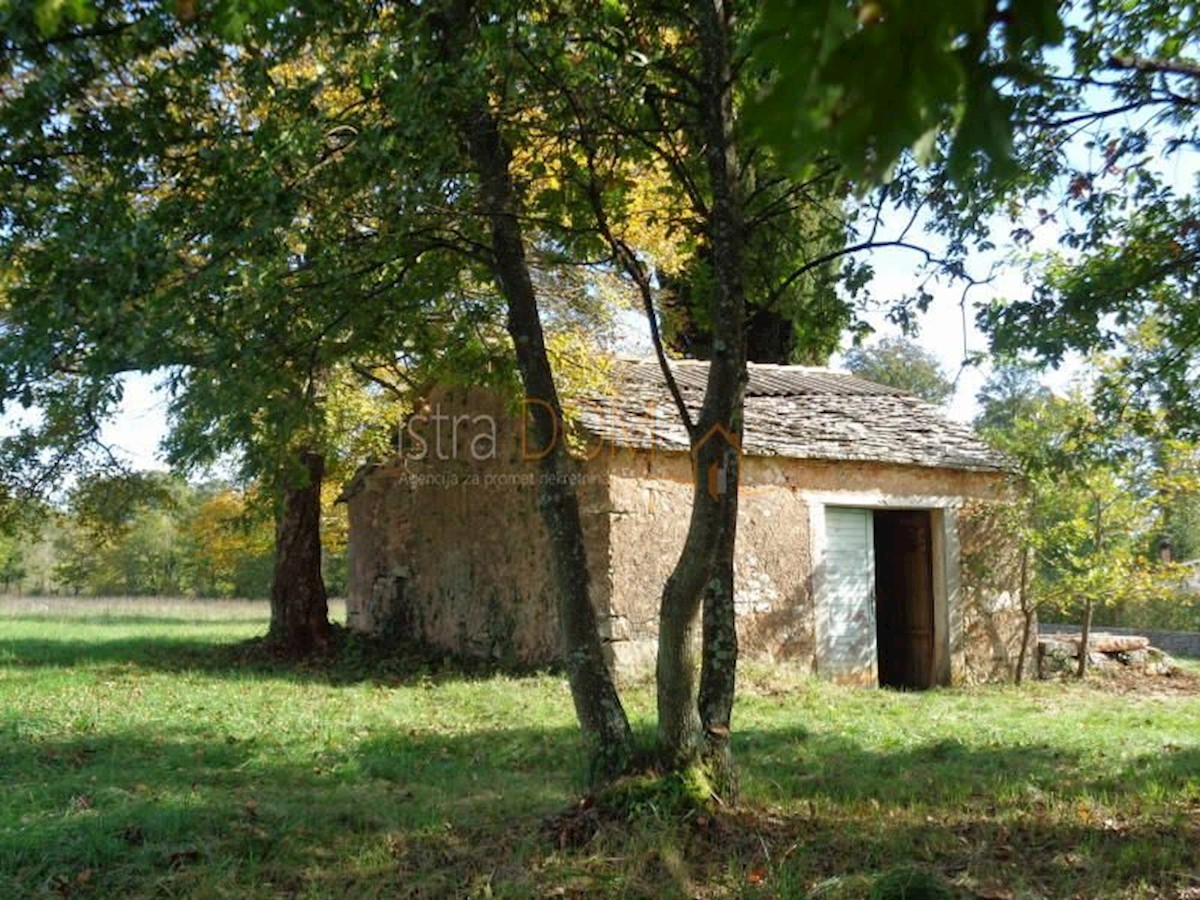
{"x": 1058, "y": 655}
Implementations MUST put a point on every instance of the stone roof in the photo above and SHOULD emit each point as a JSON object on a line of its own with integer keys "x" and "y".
{"x": 791, "y": 411}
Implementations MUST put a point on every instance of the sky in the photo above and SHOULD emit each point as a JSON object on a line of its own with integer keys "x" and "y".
{"x": 947, "y": 328}
{"x": 141, "y": 425}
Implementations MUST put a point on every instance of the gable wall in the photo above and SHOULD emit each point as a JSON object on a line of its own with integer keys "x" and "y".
{"x": 451, "y": 550}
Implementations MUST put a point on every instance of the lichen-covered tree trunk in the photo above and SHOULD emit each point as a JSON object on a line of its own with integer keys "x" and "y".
{"x": 718, "y": 665}
{"x": 299, "y": 605}
{"x": 694, "y": 726}
{"x": 597, "y": 703}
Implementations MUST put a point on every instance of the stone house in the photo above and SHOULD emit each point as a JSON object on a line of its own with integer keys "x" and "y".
{"x": 865, "y": 552}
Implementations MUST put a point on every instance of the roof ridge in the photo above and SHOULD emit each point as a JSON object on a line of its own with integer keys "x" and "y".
{"x": 794, "y": 367}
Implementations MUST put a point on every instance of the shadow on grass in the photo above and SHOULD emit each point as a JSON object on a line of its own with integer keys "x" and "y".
{"x": 170, "y": 654}
{"x": 198, "y": 811}
{"x": 139, "y": 812}
{"x": 401, "y": 813}
{"x": 351, "y": 659}
{"x": 794, "y": 763}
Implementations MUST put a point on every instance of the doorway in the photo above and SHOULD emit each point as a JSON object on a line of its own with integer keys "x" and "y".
{"x": 904, "y": 598}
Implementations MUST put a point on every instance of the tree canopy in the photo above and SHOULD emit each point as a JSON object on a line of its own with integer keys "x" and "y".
{"x": 1123, "y": 277}
{"x": 900, "y": 363}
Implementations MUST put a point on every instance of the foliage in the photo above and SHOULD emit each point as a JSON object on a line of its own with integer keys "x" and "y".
{"x": 901, "y": 363}
{"x": 120, "y": 536}
{"x": 144, "y": 754}
{"x": 795, "y": 312}
{"x": 227, "y": 542}
{"x": 1091, "y": 500}
{"x": 1124, "y": 278}
{"x": 226, "y": 184}
{"x": 12, "y": 561}
{"x": 864, "y": 82}
{"x": 1173, "y": 479}
{"x": 1012, "y": 393}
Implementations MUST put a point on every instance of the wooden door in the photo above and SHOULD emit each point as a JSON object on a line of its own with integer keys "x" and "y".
{"x": 904, "y": 597}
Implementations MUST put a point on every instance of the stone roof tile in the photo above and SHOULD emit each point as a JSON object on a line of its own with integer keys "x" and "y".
{"x": 791, "y": 411}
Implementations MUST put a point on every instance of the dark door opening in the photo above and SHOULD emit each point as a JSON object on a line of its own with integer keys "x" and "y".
{"x": 904, "y": 617}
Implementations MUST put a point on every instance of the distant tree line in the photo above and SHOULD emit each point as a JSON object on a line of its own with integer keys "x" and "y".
{"x": 156, "y": 534}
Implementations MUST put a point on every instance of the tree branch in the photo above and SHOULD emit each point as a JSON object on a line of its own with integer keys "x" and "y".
{"x": 1132, "y": 62}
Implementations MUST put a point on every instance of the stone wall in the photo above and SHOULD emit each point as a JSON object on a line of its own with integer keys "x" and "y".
{"x": 451, "y": 549}
{"x": 651, "y": 500}
{"x": 993, "y": 622}
{"x": 1176, "y": 643}
{"x": 651, "y": 503}
{"x": 860, "y": 478}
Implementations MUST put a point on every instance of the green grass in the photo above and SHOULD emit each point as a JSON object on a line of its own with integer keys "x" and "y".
{"x": 143, "y": 754}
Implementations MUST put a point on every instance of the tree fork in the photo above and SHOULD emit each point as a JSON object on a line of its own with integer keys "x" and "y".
{"x": 704, "y": 572}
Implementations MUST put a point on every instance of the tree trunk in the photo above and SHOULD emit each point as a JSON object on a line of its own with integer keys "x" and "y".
{"x": 1027, "y": 614}
{"x": 299, "y": 607}
{"x": 718, "y": 666}
{"x": 1085, "y": 634}
{"x": 597, "y": 704}
{"x": 691, "y": 727}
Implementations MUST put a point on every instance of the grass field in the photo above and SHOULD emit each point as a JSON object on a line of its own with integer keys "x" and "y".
{"x": 141, "y": 755}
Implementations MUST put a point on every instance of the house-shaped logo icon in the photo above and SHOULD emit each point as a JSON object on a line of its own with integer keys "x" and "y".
{"x": 717, "y": 474}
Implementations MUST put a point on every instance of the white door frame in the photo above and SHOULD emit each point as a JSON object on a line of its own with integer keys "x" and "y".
{"x": 947, "y": 607}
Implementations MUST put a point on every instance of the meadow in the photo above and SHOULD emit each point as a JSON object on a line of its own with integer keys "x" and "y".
{"x": 145, "y": 751}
